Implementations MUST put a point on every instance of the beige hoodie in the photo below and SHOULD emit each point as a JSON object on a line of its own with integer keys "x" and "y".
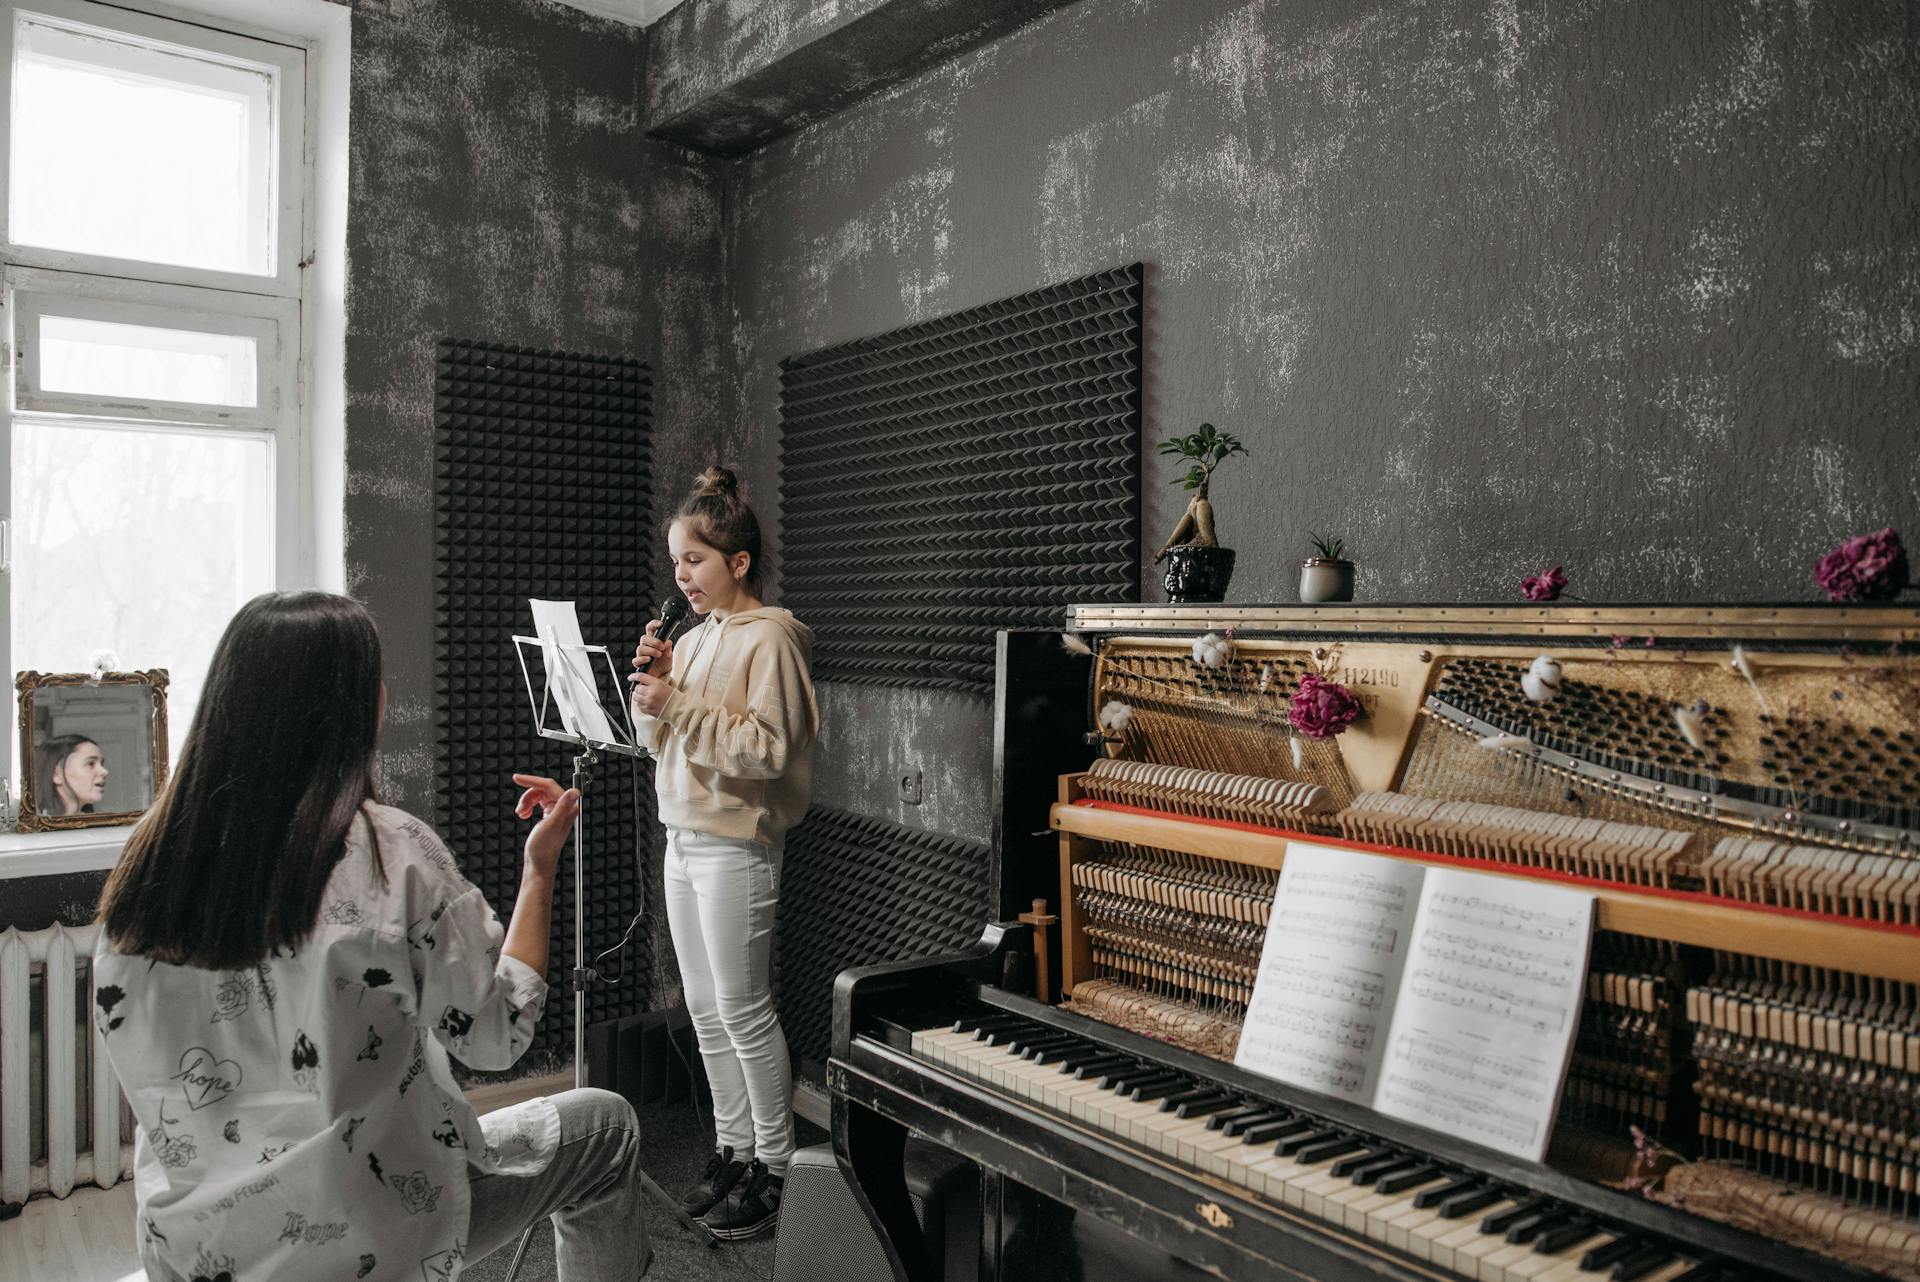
{"x": 734, "y": 743}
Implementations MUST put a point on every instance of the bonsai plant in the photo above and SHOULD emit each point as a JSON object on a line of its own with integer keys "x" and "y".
{"x": 1327, "y": 576}
{"x": 1199, "y": 568}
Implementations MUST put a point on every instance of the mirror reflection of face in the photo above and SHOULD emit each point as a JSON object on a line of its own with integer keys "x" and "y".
{"x": 81, "y": 777}
{"x": 705, "y": 575}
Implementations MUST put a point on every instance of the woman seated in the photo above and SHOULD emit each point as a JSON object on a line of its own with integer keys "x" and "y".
{"x": 286, "y": 966}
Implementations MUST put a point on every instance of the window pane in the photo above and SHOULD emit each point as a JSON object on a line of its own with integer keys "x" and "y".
{"x": 141, "y": 151}
{"x": 137, "y": 541}
{"x": 104, "y": 358}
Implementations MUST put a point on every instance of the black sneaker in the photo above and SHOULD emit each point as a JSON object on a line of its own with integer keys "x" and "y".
{"x": 722, "y": 1173}
{"x": 750, "y": 1209}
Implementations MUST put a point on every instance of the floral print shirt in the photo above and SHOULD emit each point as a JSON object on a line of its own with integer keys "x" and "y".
{"x": 299, "y": 1119}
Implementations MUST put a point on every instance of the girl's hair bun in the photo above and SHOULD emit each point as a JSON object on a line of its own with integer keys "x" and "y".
{"x": 716, "y": 481}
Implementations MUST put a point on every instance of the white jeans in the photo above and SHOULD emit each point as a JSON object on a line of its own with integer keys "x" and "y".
{"x": 721, "y": 893}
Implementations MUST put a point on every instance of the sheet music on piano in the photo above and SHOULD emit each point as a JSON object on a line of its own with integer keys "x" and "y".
{"x": 1446, "y": 998}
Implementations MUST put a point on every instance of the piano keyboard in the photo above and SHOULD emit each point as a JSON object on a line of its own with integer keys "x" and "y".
{"x": 1451, "y": 1218}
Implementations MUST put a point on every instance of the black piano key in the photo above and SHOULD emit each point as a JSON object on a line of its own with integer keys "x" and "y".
{"x": 1573, "y": 1232}
{"x": 1526, "y": 1208}
{"x": 1027, "y": 1045}
{"x": 1259, "y": 1117}
{"x": 1228, "y": 1118}
{"x": 1198, "y": 1103}
{"x": 1048, "y": 1055}
{"x": 1099, "y": 1067}
{"x": 1122, "y": 1079}
{"x": 1349, "y": 1165}
{"x": 1461, "y": 1205}
{"x": 1641, "y": 1263}
{"x": 1330, "y": 1148}
{"x": 1440, "y": 1193}
{"x": 1267, "y": 1132}
{"x": 1294, "y": 1143}
{"x": 1401, "y": 1181}
{"x": 1612, "y": 1253}
{"x": 1148, "y": 1094}
{"x": 1372, "y": 1172}
{"x": 1091, "y": 1051}
{"x": 1534, "y": 1225}
{"x": 978, "y": 1024}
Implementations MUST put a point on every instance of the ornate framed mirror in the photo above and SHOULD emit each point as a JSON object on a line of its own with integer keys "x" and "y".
{"x": 93, "y": 747}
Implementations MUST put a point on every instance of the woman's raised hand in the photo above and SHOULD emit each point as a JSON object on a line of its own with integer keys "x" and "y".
{"x": 557, "y": 809}
{"x": 655, "y": 650}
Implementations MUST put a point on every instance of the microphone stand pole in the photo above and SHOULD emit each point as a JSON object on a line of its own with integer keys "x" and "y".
{"x": 583, "y": 763}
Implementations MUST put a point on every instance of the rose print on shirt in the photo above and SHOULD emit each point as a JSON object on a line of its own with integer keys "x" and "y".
{"x": 213, "y": 1268}
{"x": 206, "y": 1078}
{"x": 173, "y": 1150}
{"x": 232, "y": 998}
{"x": 417, "y": 1192}
{"x": 306, "y": 1064}
{"x": 371, "y": 978}
{"x": 372, "y": 1050}
{"x": 343, "y": 912}
{"x": 106, "y": 997}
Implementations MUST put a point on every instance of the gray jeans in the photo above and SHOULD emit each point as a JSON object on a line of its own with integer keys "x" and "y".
{"x": 590, "y": 1189}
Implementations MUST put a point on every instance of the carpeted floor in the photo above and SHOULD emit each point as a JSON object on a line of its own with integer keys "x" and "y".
{"x": 678, "y": 1146}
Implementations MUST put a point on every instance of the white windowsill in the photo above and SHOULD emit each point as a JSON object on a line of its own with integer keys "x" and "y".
{"x": 48, "y": 854}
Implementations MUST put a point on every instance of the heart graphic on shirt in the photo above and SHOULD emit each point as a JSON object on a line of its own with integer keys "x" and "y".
{"x": 206, "y": 1078}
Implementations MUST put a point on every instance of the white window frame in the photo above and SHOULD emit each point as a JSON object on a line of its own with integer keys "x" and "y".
{"x": 35, "y": 281}
{"x": 290, "y": 151}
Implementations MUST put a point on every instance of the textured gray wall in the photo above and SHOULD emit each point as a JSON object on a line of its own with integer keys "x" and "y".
{"x": 501, "y": 189}
{"x": 1485, "y": 285}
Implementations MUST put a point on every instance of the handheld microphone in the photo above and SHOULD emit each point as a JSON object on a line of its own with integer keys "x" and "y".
{"x": 672, "y": 611}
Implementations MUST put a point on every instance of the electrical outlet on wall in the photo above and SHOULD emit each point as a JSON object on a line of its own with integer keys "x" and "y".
{"x": 912, "y": 788}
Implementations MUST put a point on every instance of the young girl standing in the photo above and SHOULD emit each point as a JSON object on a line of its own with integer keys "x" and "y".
{"x": 730, "y": 717}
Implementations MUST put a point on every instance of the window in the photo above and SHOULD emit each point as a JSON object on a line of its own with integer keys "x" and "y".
{"x": 153, "y": 465}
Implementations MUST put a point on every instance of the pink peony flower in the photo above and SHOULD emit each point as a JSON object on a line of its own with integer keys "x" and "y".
{"x": 1322, "y": 708}
{"x": 1544, "y": 587}
{"x": 1872, "y": 567}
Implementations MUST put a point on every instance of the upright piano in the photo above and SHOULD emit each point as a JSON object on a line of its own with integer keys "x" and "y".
{"x": 1737, "y": 786}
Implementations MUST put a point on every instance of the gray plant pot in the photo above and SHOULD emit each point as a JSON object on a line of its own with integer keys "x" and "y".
{"x": 1323, "y": 580}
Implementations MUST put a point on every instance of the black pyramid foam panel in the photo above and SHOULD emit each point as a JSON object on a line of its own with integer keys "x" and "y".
{"x": 854, "y": 891}
{"x": 971, "y": 473}
{"x": 542, "y": 478}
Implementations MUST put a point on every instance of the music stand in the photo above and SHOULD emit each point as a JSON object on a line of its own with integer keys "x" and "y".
{"x": 583, "y": 761}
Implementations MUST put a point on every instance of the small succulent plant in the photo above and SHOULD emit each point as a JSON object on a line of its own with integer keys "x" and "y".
{"x": 1327, "y": 549}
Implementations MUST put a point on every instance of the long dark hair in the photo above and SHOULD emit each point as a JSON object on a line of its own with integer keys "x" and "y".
{"x": 721, "y": 519}
{"x": 232, "y": 860}
{"x": 48, "y": 757}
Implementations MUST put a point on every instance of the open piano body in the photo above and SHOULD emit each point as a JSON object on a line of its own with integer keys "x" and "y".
{"x": 1738, "y": 786}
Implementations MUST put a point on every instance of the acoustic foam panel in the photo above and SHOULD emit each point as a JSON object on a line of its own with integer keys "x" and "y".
{"x": 541, "y": 486}
{"x": 972, "y": 473}
{"x": 854, "y": 891}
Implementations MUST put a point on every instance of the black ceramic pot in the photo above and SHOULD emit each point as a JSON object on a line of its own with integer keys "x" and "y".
{"x": 1198, "y": 573}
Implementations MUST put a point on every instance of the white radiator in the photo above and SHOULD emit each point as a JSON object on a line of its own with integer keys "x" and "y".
{"x": 73, "y": 1065}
